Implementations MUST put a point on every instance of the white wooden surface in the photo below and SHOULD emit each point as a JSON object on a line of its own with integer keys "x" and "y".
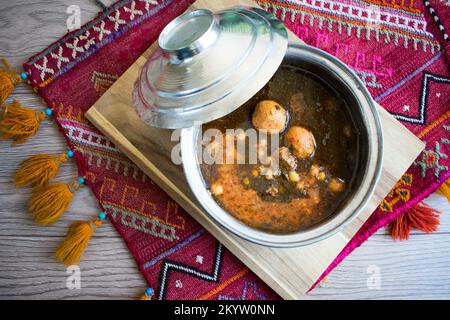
{"x": 417, "y": 268}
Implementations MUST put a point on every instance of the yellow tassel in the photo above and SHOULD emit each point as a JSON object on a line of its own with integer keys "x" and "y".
{"x": 444, "y": 189}
{"x": 8, "y": 80}
{"x": 145, "y": 297}
{"x": 38, "y": 169}
{"x": 19, "y": 123}
{"x": 76, "y": 241}
{"x": 49, "y": 202}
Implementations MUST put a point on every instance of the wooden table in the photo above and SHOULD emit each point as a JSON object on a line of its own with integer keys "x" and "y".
{"x": 413, "y": 269}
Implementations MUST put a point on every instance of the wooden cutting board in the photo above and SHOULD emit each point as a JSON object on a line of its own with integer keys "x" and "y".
{"x": 290, "y": 272}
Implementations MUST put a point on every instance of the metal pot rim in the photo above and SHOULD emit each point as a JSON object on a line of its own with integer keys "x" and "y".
{"x": 340, "y": 219}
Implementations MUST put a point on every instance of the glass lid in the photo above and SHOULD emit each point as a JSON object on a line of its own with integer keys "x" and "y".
{"x": 208, "y": 64}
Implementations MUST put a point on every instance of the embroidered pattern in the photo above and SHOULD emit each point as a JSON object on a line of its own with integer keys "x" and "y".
{"x": 437, "y": 20}
{"x": 142, "y": 223}
{"x": 408, "y": 77}
{"x": 102, "y": 81}
{"x": 43, "y": 67}
{"x": 421, "y": 118}
{"x": 59, "y": 57}
{"x": 169, "y": 266}
{"x": 99, "y": 150}
{"x": 133, "y": 11}
{"x": 434, "y": 125}
{"x": 400, "y": 192}
{"x": 364, "y": 22}
{"x": 174, "y": 249}
{"x": 404, "y": 5}
{"x": 83, "y": 135}
{"x": 245, "y": 290}
{"x": 445, "y": 140}
{"x": 109, "y": 161}
{"x": 369, "y": 75}
{"x": 199, "y": 259}
{"x": 112, "y": 22}
{"x": 431, "y": 159}
{"x": 178, "y": 284}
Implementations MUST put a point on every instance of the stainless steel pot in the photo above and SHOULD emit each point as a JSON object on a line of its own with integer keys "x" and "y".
{"x": 370, "y": 161}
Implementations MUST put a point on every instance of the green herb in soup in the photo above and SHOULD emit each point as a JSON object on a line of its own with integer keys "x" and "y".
{"x": 317, "y": 155}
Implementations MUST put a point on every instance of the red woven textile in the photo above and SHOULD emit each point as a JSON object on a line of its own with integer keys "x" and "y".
{"x": 401, "y": 60}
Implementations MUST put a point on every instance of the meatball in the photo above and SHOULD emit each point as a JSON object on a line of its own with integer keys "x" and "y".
{"x": 269, "y": 115}
{"x": 301, "y": 142}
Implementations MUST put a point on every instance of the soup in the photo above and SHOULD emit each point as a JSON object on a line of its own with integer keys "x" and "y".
{"x": 316, "y": 150}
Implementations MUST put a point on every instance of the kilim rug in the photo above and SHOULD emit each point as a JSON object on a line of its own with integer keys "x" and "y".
{"x": 397, "y": 47}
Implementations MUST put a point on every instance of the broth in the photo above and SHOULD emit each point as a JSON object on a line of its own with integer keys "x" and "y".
{"x": 318, "y": 155}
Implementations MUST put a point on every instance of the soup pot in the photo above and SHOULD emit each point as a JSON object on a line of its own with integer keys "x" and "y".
{"x": 208, "y": 64}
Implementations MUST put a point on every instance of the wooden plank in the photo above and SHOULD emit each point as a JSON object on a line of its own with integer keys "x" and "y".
{"x": 412, "y": 272}
{"x": 414, "y": 269}
{"x": 290, "y": 272}
{"x": 32, "y": 273}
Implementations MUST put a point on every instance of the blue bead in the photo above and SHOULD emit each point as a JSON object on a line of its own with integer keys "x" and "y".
{"x": 149, "y": 291}
{"x": 102, "y": 216}
{"x": 80, "y": 180}
{"x": 48, "y": 112}
{"x": 23, "y": 75}
{"x": 70, "y": 153}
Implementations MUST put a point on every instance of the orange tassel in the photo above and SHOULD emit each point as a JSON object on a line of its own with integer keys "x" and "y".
{"x": 49, "y": 202}
{"x": 19, "y": 123}
{"x": 444, "y": 189}
{"x": 38, "y": 169}
{"x": 76, "y": 241}
{"x": 421, "y": 217}
{"x": 8, "y": 80}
